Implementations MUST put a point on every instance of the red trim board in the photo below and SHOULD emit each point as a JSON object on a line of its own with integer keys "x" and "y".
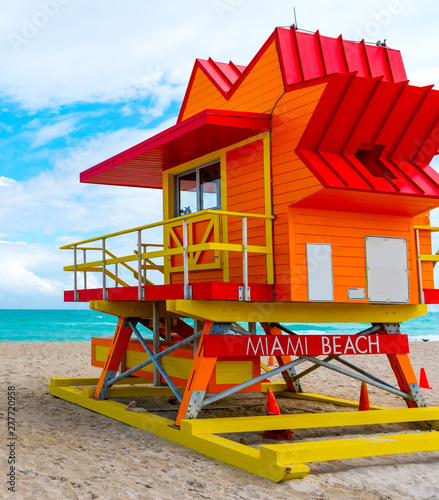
{"x": 303, "y": 345}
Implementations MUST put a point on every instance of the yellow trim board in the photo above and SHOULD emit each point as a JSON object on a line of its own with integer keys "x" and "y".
{"x": 309, "y": 421}
{"x": 339, "y": 449}
{"x": 130, "y": 309}
{"x": 307, "y": 396}
{"x": 294, "y": 312}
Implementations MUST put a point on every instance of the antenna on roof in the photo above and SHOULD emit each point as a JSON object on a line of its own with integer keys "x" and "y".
{"x": 295, "y": 19}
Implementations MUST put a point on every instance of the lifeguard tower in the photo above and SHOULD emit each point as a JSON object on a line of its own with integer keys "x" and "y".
{"x": 295, "y": 190}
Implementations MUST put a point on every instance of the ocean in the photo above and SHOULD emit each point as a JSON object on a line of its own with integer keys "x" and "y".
{"x": 65, "y": 325}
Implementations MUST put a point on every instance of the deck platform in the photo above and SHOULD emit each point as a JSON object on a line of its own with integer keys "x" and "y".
{"x": 207, "y": 291}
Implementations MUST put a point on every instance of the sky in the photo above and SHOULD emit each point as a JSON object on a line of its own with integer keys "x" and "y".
{"x": 83, "y": 80}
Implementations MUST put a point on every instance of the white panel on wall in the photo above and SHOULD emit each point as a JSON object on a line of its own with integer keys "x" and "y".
{"x": 319, "y": 269}
{"x": 356, "y": 293}
{"x": 387, "y": 270}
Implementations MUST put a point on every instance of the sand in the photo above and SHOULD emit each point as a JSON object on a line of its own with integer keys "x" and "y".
{"x": 64, "y": 451}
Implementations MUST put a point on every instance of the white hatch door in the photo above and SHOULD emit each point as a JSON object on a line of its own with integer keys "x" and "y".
{"x": 387, "y": 270}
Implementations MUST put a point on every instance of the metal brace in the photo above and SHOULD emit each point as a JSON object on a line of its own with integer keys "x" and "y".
{"x": 289, "y": 375}
{"x": 105, "y": 389}
{"x": 219, "y": 328}
{"x": 195, "y": 404}
{"x": 243, "y": 294}
{"x": 418, "y": 398}
{"x": 392, "y": 328}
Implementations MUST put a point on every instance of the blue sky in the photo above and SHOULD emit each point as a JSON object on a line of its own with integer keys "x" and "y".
{"x": 82, "y": 80}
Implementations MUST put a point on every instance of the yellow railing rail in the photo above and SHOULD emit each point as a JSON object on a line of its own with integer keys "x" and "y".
{"x": 144, "y": 257}
{"x": 424, "y": 257}
{"x": 433, "y": 229}
{"x": 166, "y": 222}
{"x": 93, "y": 267}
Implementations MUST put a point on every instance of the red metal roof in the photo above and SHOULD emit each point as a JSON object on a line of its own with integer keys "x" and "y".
{"x": 305, "y": 56}
{"x": 142, "y": 165}
{"x": 223, "y": 75}
{"x": 371, "y": 135}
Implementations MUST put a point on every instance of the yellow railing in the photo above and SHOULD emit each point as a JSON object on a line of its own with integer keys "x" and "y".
{"x": 424, "y": 257}
{"x": 190, "y": 252}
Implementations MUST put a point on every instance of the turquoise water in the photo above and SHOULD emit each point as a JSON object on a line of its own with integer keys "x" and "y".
{"x": 40, "y": 325}
{"x": 23, "y": 325}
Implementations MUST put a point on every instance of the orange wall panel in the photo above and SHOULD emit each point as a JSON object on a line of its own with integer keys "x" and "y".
{"x": 291, "y": 179}
{"x": 258, "y": 92}
{"x": 345, "y": 232}
{"x": 245, "y": 167}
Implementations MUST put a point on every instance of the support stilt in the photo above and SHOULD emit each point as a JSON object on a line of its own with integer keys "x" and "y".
{"x": 288, "y": 375}
{"x": 406, "y": 378}
{"x": 199, "y": 377}
{"x": 115, "y": 356}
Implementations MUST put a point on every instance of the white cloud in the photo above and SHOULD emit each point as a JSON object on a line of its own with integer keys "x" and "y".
{"x": 17, "y": 279}
{"x": 5, "y": 127}
{"x": 6, "y": 182}
{"x": 139, "y": 49}
{"x": 55, "y": 202}
{"x": 26, "y": 270}
{"x": 127, "y": 110}
{"x": 53, "y": 131}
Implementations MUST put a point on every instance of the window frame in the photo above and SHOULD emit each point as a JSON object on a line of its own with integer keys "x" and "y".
{"x": 197, "y": 171}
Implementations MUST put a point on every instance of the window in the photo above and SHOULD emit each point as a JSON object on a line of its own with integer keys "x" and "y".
{"x": 198, "y": 189}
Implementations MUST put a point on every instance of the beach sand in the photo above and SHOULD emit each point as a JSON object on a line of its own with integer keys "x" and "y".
{"x": 64, "y": 451}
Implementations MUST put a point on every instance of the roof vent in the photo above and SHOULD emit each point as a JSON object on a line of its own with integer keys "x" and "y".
{"x": 369, "y": 156}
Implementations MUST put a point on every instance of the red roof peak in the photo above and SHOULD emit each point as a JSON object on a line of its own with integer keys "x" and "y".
{"x": 305, "y": 56}
{"x": 223, "y": 75}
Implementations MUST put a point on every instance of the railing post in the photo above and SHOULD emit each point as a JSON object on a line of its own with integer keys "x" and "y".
{"x": 196, "y": 328}
{"x": 168, "y": 331}
{"x": 75, "y": 274}
{"x": 187, "y": 288}
{"x": 84, "y": 251}
{"x": 139, "y": 266}
{"x": 252, "y": 328}
{"x": 104, "y": 270}
{"x": 145, "y": 276}
{"x": 245, "y": 289}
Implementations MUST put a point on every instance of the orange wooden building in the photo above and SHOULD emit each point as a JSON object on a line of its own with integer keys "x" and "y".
{"x": 295, "y": 189}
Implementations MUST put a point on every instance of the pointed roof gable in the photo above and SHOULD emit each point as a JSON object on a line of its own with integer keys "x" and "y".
{"x": 303, "y": 57}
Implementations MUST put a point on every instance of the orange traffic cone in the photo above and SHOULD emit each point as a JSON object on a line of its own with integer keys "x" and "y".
{"x": 271, "y": 361}
{"x": 273, "y": 409}
{"x": 364, "y": 398}
{"x": 423, "y": 382}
